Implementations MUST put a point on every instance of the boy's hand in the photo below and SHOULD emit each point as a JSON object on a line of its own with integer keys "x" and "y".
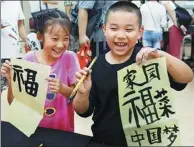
{"x": 6, "y": 70}
{"x": 55, "y": 85}
{"x": 147, "y": 53}
{"x": 87, "y": 83}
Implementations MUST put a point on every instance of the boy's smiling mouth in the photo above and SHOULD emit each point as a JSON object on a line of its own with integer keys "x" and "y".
{"x": 120, "y": 44}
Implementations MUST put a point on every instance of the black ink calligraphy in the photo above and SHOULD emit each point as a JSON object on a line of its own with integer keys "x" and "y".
{"x": 31, "y": 87}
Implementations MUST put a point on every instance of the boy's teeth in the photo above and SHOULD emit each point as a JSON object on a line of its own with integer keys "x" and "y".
{"x": 120, "y": 44}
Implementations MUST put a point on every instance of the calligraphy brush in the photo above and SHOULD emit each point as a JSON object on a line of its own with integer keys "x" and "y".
{"x": 80, "y": 82}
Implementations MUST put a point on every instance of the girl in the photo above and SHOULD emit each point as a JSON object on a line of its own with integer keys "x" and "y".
{"x": 54, "y": 33}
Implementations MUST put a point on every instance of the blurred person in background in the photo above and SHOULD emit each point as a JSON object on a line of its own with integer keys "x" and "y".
{"x": 175, "y": 32}
{"x": 12, "y": 29}
{"x": 154, "y": 20}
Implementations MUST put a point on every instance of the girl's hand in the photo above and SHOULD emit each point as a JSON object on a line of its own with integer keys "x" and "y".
{"x": 6, "y": 70}
{"x": 55, "y": 85}
{"x": 87, "y": 83}
{"x": 147, "y": 53}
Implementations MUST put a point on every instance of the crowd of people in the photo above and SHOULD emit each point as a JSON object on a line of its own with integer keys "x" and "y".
{"x": 115, "y": 40}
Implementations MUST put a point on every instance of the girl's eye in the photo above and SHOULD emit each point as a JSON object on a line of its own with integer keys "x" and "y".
{"x": 65, "y": 39}
{"x": 54, "y": 39}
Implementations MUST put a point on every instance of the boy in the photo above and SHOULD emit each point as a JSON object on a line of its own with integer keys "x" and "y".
{"x": 99, "y": 91}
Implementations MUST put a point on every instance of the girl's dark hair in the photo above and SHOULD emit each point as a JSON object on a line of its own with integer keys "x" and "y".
{"x": 52, "y": 18}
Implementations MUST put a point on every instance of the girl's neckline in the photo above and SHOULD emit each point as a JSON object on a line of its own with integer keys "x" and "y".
{"x": 37, "y": 54}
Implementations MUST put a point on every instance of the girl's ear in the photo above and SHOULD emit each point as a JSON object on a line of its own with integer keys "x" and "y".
{"x": 39, "y": 36}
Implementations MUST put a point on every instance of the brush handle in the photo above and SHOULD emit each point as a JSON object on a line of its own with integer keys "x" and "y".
{"x": 76, "y": 88}
{"x": 80, "y": 82}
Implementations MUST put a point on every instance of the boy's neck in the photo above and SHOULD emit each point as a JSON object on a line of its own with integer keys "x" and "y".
{"x": 115, "y": 59}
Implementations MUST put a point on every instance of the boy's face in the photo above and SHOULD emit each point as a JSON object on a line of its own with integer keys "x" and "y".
{"x": 122, "y": 31}
{"x": 56, "y": 41}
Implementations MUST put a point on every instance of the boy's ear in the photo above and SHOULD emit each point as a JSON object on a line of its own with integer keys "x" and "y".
{"x": 141, "y": 30}
{"x": 39, "y": 36}
{"x": 104, "y": 29}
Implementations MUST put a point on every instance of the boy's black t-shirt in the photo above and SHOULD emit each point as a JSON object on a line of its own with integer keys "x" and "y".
{"x": 107, "y": 127}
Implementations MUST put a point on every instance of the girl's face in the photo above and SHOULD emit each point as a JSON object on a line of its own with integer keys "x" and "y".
{"x": 56, "y": 41}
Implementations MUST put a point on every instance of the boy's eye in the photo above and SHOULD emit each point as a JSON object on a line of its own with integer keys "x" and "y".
{"x": 129, "y": 30}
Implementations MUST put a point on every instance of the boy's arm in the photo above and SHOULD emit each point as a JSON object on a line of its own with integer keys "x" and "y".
{"x": 85, "y": 100}
{"x": 180, "y": 71}
{"x": 81, "y": 103}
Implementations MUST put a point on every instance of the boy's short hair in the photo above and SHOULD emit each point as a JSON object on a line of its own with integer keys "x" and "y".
{"x": 125, "y": 6}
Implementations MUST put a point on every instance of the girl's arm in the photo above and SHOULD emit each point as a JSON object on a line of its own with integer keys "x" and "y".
{"x": 6, "y": 72}
{"x": 10, "y": 96}
{"x": 66, "y": 90}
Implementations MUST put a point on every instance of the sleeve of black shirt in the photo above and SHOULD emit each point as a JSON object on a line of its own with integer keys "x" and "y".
{"x": 92, "y": 100}
{"x": 175, "y": 85}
